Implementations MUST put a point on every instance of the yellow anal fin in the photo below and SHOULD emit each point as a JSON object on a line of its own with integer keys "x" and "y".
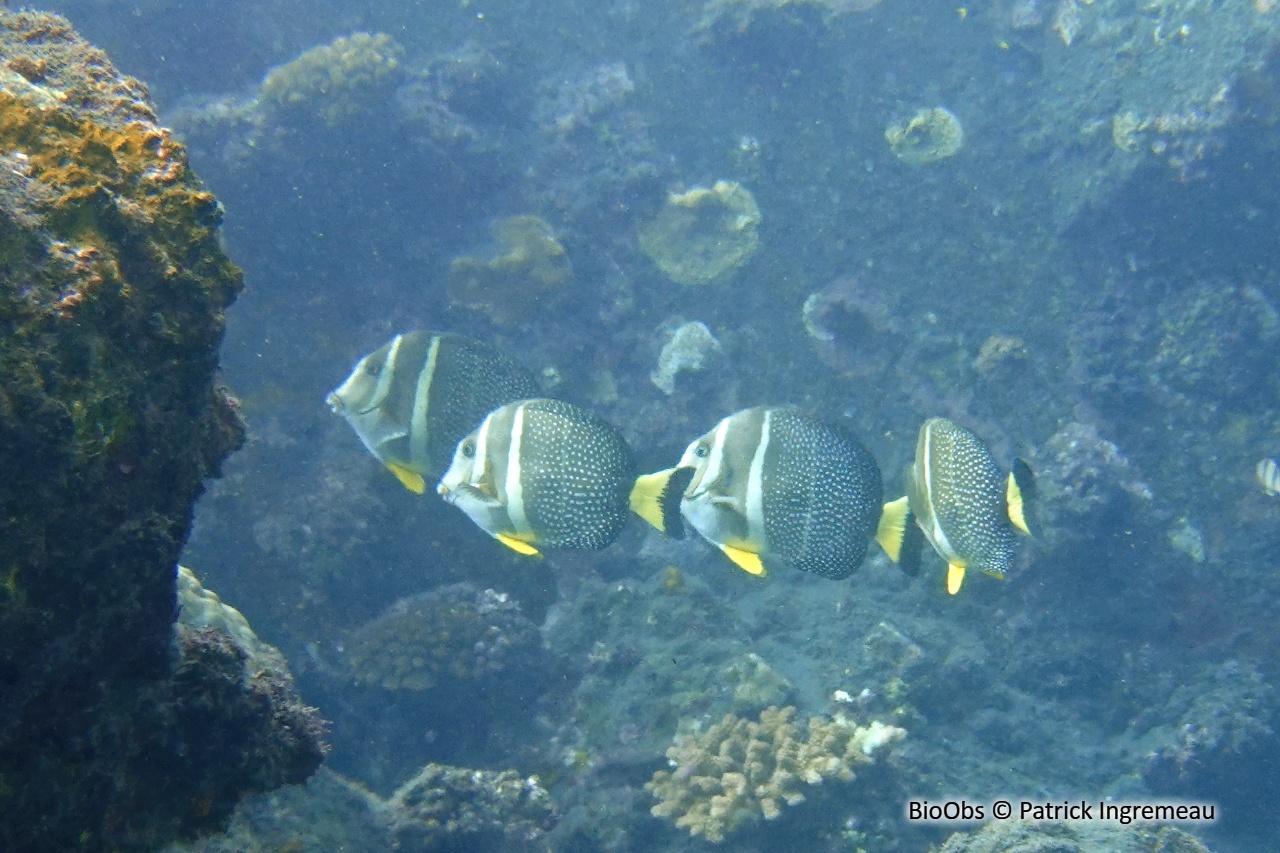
{"x": 1019, "y": 494}
{"x": 408, "y": 478}
{"x": 517, "y": 545}
{"x": 955, "y": 577}
{"x": 892, "y": 528}
{"x": 745, "y": 560}
{"x": 656, "y": 498}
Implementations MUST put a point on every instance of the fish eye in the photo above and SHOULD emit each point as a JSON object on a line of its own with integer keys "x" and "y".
{"x": 468, "y": 449}
{"x": 701, "y": 452}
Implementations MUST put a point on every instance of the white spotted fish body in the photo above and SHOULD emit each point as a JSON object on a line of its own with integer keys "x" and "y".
{"x": 771, "y": 484}
{"x": 962, "y": 503}
{"x": 543, "y": 473}
{"x": 413, "y": 399}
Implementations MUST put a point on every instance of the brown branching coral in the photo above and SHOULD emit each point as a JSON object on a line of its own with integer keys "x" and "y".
{"x": 738, "y": 770}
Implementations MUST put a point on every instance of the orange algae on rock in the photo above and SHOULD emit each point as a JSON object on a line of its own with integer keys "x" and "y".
{"x": 113, "y": 286}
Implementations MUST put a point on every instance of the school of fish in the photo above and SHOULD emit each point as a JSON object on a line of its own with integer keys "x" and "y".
{"x": 768, "y": 486}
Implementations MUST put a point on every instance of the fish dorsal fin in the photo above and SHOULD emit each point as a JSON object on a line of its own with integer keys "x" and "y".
{"x": 955, "y": 577}
{"x": 408, "y": 478}
{"x": 656, "y": 499}
{"x": 1020, "y": 494}
{"x": 517, "y": 545}
{"x": 745, "y": 560}
{"x": 892, "y": 529}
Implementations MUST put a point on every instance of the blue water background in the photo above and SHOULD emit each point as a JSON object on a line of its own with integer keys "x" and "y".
{"x": 1089, "y": 283}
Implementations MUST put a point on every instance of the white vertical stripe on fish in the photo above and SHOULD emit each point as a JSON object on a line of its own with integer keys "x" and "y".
{"x": 754, "y": 498}
{"x": 1269, "y": 476}
{"x": 515, "y": 492}
{"x": 385, "y": 376}
{"x": 481, "y": 462}
{"x": 421, "y": 399}
{"x": 715, "y": 457}
{"x": 938, "y": 536}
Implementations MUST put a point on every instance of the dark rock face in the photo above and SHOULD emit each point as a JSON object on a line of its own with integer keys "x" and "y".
{"x": 112, "y": 292}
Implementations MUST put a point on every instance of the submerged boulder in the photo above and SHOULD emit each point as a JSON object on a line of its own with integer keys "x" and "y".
{"x": 113, "y": 286}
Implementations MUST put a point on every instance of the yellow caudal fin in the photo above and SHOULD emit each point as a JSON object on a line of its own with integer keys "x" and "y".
{"x": 955, "y": 577}
{"x": 900, "y": 536}
{"x": 745, "y": 560}
{"x": 409, "y": 478}
{"x": 656, "y": 499}
{"x": 893, "y": 527}
{"x": 517, "y": 545}
{"x": 1020, "y": 494}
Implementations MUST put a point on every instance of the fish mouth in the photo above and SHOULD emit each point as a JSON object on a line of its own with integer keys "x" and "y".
{"x": 335, "y": 403}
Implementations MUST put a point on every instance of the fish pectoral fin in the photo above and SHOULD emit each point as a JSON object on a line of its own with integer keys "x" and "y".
{"x": 656, "y": 498}
{"x": 1020, "y": 493}
{"x": 408, "y": 478}
{"x": 728, "y": 502}
{"x": 955, "y": 577}
{"x": 745, "y": 560}
{"x": 517, "y": 545}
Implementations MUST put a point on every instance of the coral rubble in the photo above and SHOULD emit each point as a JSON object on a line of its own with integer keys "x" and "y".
{"x": 738, "y": 770}
{"x": 113, "y": 286}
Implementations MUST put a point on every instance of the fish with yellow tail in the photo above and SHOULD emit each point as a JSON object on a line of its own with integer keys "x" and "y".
{"x": 967, "y": 509}
{"x": 770, "y": 485}
{"x": 413, "y": 399}
{"x": 542, "y": 473}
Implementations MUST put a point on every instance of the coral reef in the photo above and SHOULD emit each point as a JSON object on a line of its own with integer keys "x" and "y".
{"x": 855, "y": 327}
{"x": 688, "y": 348}
{"x": 469, "y": 809}
{"x": 595, "y": 153}
{"x": 738, "y": 770}
{"x": 731, "y": 20}
{"x": 455, "y": 635}
{"x": 928, "y": 136}
{"x": 756, "y": 684}
{"x": 1220, "y": 727}
{"x": 113, "y": 286}
{"x": 440, "y": 808}
{"x": 528, "y": 269}
{"x": 1006, "y": 836}
{"x": 701, "y": 235}
{"x": 576, "y": 104}
{"x": 350, "y": 76}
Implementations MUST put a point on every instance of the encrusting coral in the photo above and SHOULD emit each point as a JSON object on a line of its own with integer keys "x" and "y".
{"x": 738, "y": 770}
{"x": 528, "y": 268}
{"x": 927, "y": 137}
{"x": 334, "y": 81}
{"x": 702, "y": 234}
{"x": 455, "y": 634}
